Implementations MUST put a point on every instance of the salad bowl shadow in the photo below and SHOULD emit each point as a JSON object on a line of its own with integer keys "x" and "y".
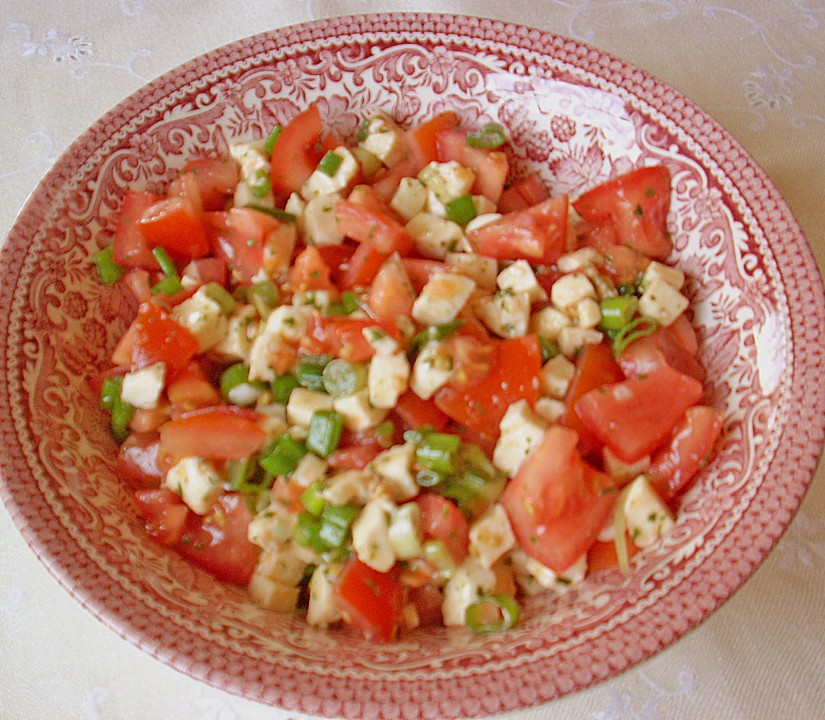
{"x": 574, "y": 114}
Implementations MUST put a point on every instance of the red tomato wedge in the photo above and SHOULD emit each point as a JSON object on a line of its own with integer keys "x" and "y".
{"x": 309, "y": 272}
{"x": 296, "y": 153}
{"x": 529, "y": 190}
{"x": 216, "y": 179}
{"x": 362, "y": 267}
{"x": 137, "y": 460}
{"x": 354, "y": 457}
{"x": 690, "y": 446}
{"x": 537, "y": 234}
{"x": 155, "y": 337}
{"x": 190, "y": 388}
{"x": 442, "y": 520}
{"x": 176, "y": 224}
{"x": 391, "y": 294}
{"x": 634, "y": 416}
{"x": 371, "y": 225}
{"x": 370, "y": 600}
{"x": 490, "y": 166}
{"x": 422, "y": 140}
{"x": 636, "y": 205}
{"x": 220, "y": 433}
{"x": 130, "y": 248}
{"x": 646, "y": 354}
{"x": 421, "y": 270}
{"x": 339, "y": 336}
{"x": 164, "y": 515}
{"x": 413, "y": 412}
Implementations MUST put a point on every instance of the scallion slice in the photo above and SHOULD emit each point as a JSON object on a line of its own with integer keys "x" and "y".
{"x": 310, "y": 371}
{"x": 282, "y": 387}
{"x": 341, "y": 377}
{"x": 108, "y": 269}
{"x": 324, "y": 434}
{"x": 492, "y": 613}
{"x": 434, "y": 332}
{"x": 330, "y": 163}
{"x": 275, "y": 212}
{"x": 461, "y": 210}
{"x": 271, "y": 139}
{"x": 312, "y": 500}
{"x": 492, "y": 135}
{"x": 284, "y": 457}
{"x": 259, "y": 184}
{"x": 638, "y": 328}
{"x": 618, "y": 311}
{"x": 437, "y": 451}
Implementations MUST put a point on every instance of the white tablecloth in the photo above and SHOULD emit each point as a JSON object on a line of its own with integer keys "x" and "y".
{"x": 758, "y": 67}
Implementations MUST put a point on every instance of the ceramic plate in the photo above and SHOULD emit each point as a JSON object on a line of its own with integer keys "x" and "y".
{"x": 577, "y": 115}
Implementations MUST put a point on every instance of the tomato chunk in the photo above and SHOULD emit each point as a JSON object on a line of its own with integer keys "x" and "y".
{"x": 130, "y": 247}
{"x": 442, "y": 520}
{"x": 413, "y": 412}
{"x": 422, "y": 140}
{"x": 391, "y": 294}
{"x": 157, "y": 337}
{"x": 376, "y": 227}
{"x": 296, "y": 153}
{"x": 370, "y": 600}
{"x": 221, "y": 432}
{"x": 137, "y": 460}
{"x": 216, "y": 178}
{"x": 341, "y": 337}
{"x": 164, "y": 515}
{"x": 176, "y": 224}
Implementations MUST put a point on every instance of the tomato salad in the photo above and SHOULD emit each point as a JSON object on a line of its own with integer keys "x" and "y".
{"x": 384, "y": 383}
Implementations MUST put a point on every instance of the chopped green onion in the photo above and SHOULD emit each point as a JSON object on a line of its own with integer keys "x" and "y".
{"x": 238, "y": 473}
{"x": 324, "y": 435}
{"x": 348, "y": 305}
{"x": 627, "y": 289}
{"x": 110, "y": 391}
{"x": 218, "y": 293}
{"x": 108, "y": 269}
{"x": 311, "y": 499}
{"x": 282, "y": 387}
{"x": 476, "y": 484}
{"x": 330, "y": 163}
{"x": 505, "y": 609}
{"x": 167, "y": 286}
{"x": 638, "y": 328}
{"x": 275, "y": 212}
{"x": 435, "y": 332}
{"x": 305, "y": 532}
{"x": 271, "y": 139}
{"x": 311, "y": 371}
{"x": 264, "y": 296}
{"x": 236, "y": 387}
{"x": 284, "y": 457}
{"x": 260, "y": 185}
{"x": 435, "y": 552}
{"x": 335, "y": 525}
{"x": 363, "y": 130}
{"x": 385, "y": 432}
{"x": 121, "y": 412}
{"x": 618, "y": 311}
{"x": 549, "y": 349}
{"x": 437, "y": 451}
{"x": 461, "y": 210}
{"x": 492, "y": 135}
{"x": 165, "y": 262}
{"x": 429, "y": 478}
{"x": 341, "y": 377}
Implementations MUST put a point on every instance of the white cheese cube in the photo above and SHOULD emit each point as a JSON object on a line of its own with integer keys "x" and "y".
{"x": 371, "y": 536}
{"x": 659, "y": 271}
{"x": 271, "y": 594}
{"x": 603, "y": 284}
{"x": 481, "y": 220}
{"x": 296, "y": 205}
{"x": 203, "y": 317}
{"x": 588, "y": 313}
{"x": 323, "y": 609}
{"x": 646, "y": 515}
{"x": 196, "y": 481}
{"x": 548, "y": 323}
{"x": 569, "y": 289}
{"x": 405, "y": 533}
{"x": 357, "y": 411}
{"x": 662, "y": 302}
{"x": 578, "y": 260}
{"x": 507, "y": 313}
{"x": 350, "y": 487}
{"x": 240, "y": 330}
{"x": 279, "y": 245}
{"x": 533, "y": 576}
{"x": 394, "y": 467}
{"x": 556, "y": 375}
{"x": 480, "y": 268}
{"x": 550, "y": 409}
{"x": 468, "y": 583}
{"x": 442, "y": 298}
{"x": 483, "y": 205}
{"x": 384, "y": 139}
{"x": 282, "y": 565}
{"x": 432, "y": 370}
{"x": 572, "y": 339}
{"x": 142, "y": 388}
{"x": 303, "y": 402}
{"x": 321, "y": 183}
{"x": 310, "y": 469}
{"x": 491, "y": 536}
{"x": 382, "y": 342}
{"x": 435, "y": 236}
{"x": 520, "y": 278}
{"x": 288, "y": 322}
{"x": 448, "y": 181}
{"x": 320, "y": 223}
{"x": 521, "y": 430}
{"x": 387, "y": 379}
{"x": 264, "y": 347}
{"x": 254, "y": 175}
{"x": 272, "y": 527}
{"x": 434, "y": 206}
{"x": 620, "y": 469}
{"x": 410, "y": 198}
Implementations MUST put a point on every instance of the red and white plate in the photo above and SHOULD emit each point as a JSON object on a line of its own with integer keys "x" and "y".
{"x": 579, "y": 116}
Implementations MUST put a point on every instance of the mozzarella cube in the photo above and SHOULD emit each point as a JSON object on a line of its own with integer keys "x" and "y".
{"x": 323, "y": 610}
{"x": 533, "y": 576}
{"x": 303, "y": 402}
{"x": 477, "y": 267}
{"x": 572, "y": 339}
{"x": 507, "y": 313}
{"x": 432, "y": 369}
{"x": 548, "y": 323}
{"x": 448, "y": 181}
{"x": 405, "y": 535}
{"x": 468, "y": 583}
{"x": 483, "y": 205}
{"x": 410, "y": 198}
{"x": 272, "y": 527}
{"x": 253, "y": 183}
{"x": 142, "y": 388}
{"x": 491, "y": 536}
{"x": 203, "y": 317}
{"x": 320, "y": 223}
{"x": 271, "y": 594}
{"x": 481, "y": 220}
{"x": 288, "y": 322}
{"x": 442, "y": 298}
{"x": 588, "y": 313}
{"x": 521, "y": 430}
{"x": 435, "y": 236}
{"x": 382, "y": 342}
{"x": 322, "y": 183}
{"x": 357, "y": 411}
{"x": 659, "y": 271}
{"x": 296, "y": 206}
{"x": 556, "y": 375}
{"x": 240, "y": 330}
{"x": 263, "y": 349}
{"x": 310, "y": 469}
{"x": 387, "y": 379}
{"x": 569, "y": 289}
{"x": 318, "y": 299}
{"x": 371, "y": 538}
{"x": 384, "y": 139}
{"x": 395, "y": 468}
{"x": 196, "y": 481}
{"x": 350, "y": 487}
{"x": 282, "y": 565}
{"x": 663, "y": 302}
{"x": 578, "y": 260}
{"x": 520, "y": 278}
{"x": 550, "y": 409}
{"x": 646, "y": 515}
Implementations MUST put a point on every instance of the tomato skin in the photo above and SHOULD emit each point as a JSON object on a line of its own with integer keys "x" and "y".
{"x": 238, "y": 237}
{"x": 646, "y": 354}
{"x": 603, "y": 556}
{"x": 634, "y": 416}
{"x": 428, "y": 600}
{"x": 421, "y": 270}
{"x": 371, "y": 225}
{"x": 191, "y": 389}
{"x": 490, "y": 166}
{"x": 690, "y": 445}
{"x": 310, "y": 272}
{"x": 529, "y": 190}
{"x": 354, "y": 457}
{"x": 218, "y": 542}
{"x": 442, "y": 520}
{"x": 296, "y": 155}
{"x": 156, "y": 337}
{"x": 362, "y": 267}
{"x": 130, "y": 248}
{"x": 222, "y": 432}
{"x": 370, "y": 600}
{"x": 391, "y": 294}
{"x": 164, "y": 514}
{"x": 176, "y": 224}
{"x": 137, "y": 460}
{"x": 412, "y": 412}
{"x": 422, "y": 140}
{"x": 341, "y": 337}
{"x": 385, "y": 184}
{"x": 216, "y": 178}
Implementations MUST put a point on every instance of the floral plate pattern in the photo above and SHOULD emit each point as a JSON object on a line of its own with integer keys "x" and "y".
{"x": 574, "y": 113}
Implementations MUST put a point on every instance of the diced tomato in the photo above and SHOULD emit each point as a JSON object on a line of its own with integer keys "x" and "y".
{"x": 427, "y": 600}
{"x": 490, "y": 166}
{"x": 646, "y": 354}
{"x": 530, "y": 189}
{"x": 354, "y": 457}
{"x": 342, "y": 337}
{"x": 216, "y": 179}
{"x": 537, "y": 234}
{"x": 218, "y": 541}
{"x": 623, "y": 265}
{"x": 164, "y": 514}
{"x": 139, "y": 282}
{"x": 370, "y": 600}
{"x": 421, "y": 270}
{"x": 190, "y": 388}
{"x": 513, "y": 375}
{"x": 309, "y": 272}
{"x": 636, "y": 205}
{"x": 422, "y": 141}
{"x": 146, "y": 420}
{"x": 603, "y": 556}
{"x": 156, "y": 337}
{"x": 595, "y": 367}
{"x": 176, "y": 224}
{"x": 391, "y": 294}
{"x": 442, "y": 520}
{"x": 486, "y": 443}
{"x": 688, "y": 450}
{"x": 368, "y": 197}
{"x": 130, "y": 248}
{"x": 685, "y": 334}
{"x": 337, "y": 258}
{"x": 376, "y": 227}
{"x": 137, "y": 460}
{"x": 220, "y": 432}
{"x": 386, "y": 183}
{"x": 634, "y": 416}
{"x": 362, "y": 267}
{"x": 412, "y": 412}
{"x": 296, "y": 153}
{"x": 207, "y": 270}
